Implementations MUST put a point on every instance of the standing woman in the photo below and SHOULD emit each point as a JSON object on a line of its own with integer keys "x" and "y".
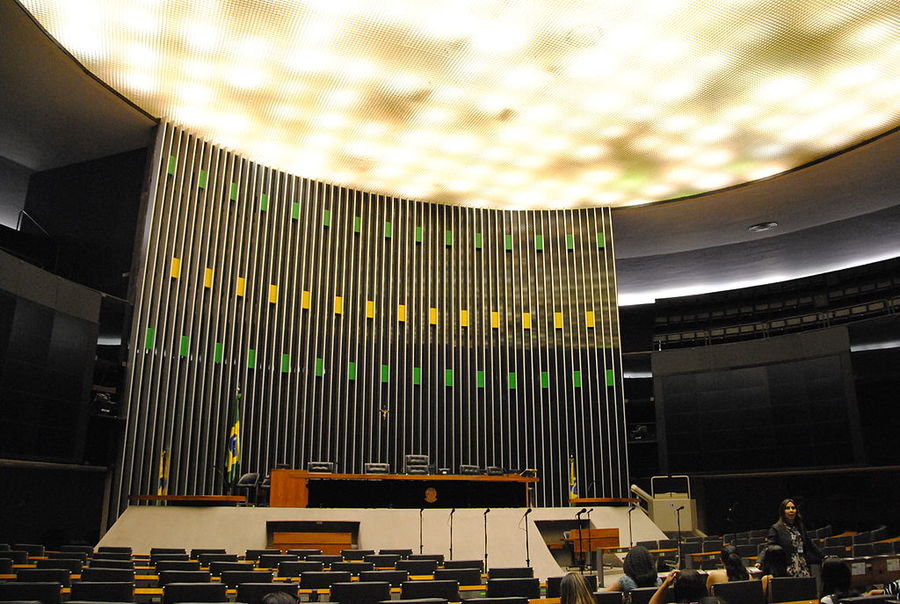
{"x": 790, "y": 534}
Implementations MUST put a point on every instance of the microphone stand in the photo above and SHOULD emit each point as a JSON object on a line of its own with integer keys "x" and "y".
{"x": 580, "y": 540}
{"x": 421, "y": 510}
{"x": 453, "y": 511}
{"x": 486, "y": 539}
{"x": 630, "y": 535}
{"x": 527, "y": 553}
{"x": 590, "y": 551}
{"x": 678, "y": 520}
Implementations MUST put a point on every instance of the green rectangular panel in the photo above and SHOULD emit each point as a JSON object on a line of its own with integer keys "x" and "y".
{"x": 251, "y": 359}
{"x": 388, "y": 230}
{"x": 512, "y": 380}
{"x": 351, "y": 371}
{"x": 173, "y": 161}
{"x": 234, "y": 191}
{"x": 507, "y": 242}
{"x": 204, "y": 178}
{"x": 357, "y": 224}
{"x": 218, "y": 352}
{"x": 185, "y": 346}
{"x": 448, "y": 377}
{"x": 150, "y": 338}
{"x": 570, "y": 241}
{"x": 576, "y": 379}
{"x": 264, "y": 202}
{"x": 385, "y": 374}
{"x": 326, "y": 217}
{"x": 539, "y": 243}
{"x": 295, "y": 210}
{"x": 610, "y": 377}
{"x": 448, "y": 237}
{"x": 320, "y": 367}
{"x": 545, "y": 379}
{"x": 479, "y": 379}
{"x": 417, "y": 376}
{"x": 478, "y": 241}
{"x": 418, "y": 234}
{"x": 285, "y": 363}
{"x": 601, "y": 240}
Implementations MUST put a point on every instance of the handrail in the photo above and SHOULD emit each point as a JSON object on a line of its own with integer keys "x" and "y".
{"x": 33, "y": 221}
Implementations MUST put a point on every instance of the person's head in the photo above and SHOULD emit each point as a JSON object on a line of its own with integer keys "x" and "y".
{"x": 835, "y": 577}
{"x": 734, "y": 565}
{"x": 789, "y": 512}
{"x": 640, "y": 567}
{"x": 573, "y": 589}
{"x": 690, "y": 586}
{"x": 278, "y": 597}
{"x": 775, "y": 561}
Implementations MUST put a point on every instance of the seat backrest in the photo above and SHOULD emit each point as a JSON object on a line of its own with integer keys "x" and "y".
{"x": 167, "y": 550}
{"x": 553, "y": 584}
{"x": 272, "y": 560}
{"x": 115, "y": 549}
{"x": 745, "y": 592}
{"x": 419, "y": 601}
{"x": 198, "y": 551}
{"x": 863, "y": 537}
{"x": 448, "y": 589}
{"x": 463, "y": 576}
{"x": 47, "y": 592}
{"x": 71, "y": 565}
{"x": 102, "y": 591}
{"x": 518, "y": 586}
{"x": 884, "y": 547}
{"x": 84, "y": 549}
{"x": 355, "y": 566}
{"x": 182, "y": 576}
{"x": 33, "y": 549}
{"x": 254, "y": 554}
{"x": 82, "y": 556}
{"x": 207, "y": 559}
{"x": 863, "y": 549}
{"x": 648, "y": 544}
{"x": 253, "y": 593}
{"x": 120, "y": 564}
{"x": 867, "y": 599}
{"x": 642, "y": 595}
{"x": 6, "y": 565}
{"x": 403, "y": 553}
{"x": 328, "y": 559}
{"x": 882, "y": 532}
{"x": 162, "y": 565}
{"x": 193, "y": 592}
{"x": 439, "y": 558}
{"x": 298, "y": 567}
{"x": 18, "y": 556}
{"x": 217, "y": 568}
{"x": 417, "y": 567}
{"x": 790, "y": 589}
{"x": 154, "y": 558}
{"x": 394, "y": 577}
{"x": 233, "y": 578}
{"x": 479, "y": 564}
{"x": 108, "y": 575}
{"x": 510, "y": 572}
{"x": 369, "y": 592}
{"x": 746, "y": 551}
{"x": 304, "y": 552}
{"x": 323, "y": 579}
{"x": 356, "y": 554}
{"x": 609, "y": 597}
{"x": 111, "y": 556}
{"x": 43, "y": 575}
{"x": 504, "y": 600}
{"x": 382, "y": 559}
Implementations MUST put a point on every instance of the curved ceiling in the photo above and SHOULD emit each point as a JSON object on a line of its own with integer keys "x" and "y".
{"x": 508, "y": 104}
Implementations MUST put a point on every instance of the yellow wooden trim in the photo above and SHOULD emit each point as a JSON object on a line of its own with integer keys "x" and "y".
{"x": 558, "y": 320}
{"x": 176, "y": 268}
{"x": 432, "y": 316}
{"x": 495, "y": 320}
{"x": 589, "y": 318}
{"x": 370, "y": 309}
{"x": 463, "y": 318}
{"x": 338, "y": 305}
{"x": 401, "y": 312}
{"x": 526, "y": 320}
{"x": 273, "y": 294}
{"x": 208, "y": 277}
{"x": 305, "y": 299}
{"x": 240, "y": 287}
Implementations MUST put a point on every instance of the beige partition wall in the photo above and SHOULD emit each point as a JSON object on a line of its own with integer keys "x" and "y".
{"x": 361, "y": 327}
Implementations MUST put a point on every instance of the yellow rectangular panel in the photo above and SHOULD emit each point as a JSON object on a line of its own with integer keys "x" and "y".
{"x": 305, "y": 299}
{"x": 463, "y": 318}
{"x": 495, "y": 320}
{"x": 338, "y": 305}
{"x": 240, "y": 287}
{"x": 558, "y": 320}
{"x": 273, "y": 294}
{"x": 176, "y": 268}
{"x": 207, "y": 277}
{"x": 526, "y": 320}
{"x": 432, "y": 316}
{"x": 589, "y": 318}
{"x": 370, "y": 309}
{"x": 401, "y": 312}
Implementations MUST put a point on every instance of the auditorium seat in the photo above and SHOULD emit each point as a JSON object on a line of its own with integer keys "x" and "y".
{"x": 82, "y": 549}
{"x": 417, "y": 567}
{"x": 369, "y": 592}
{"x": 304, "y": 552}
{"x": 356, "y": 554}
{"x": 355, "y": 567}
{"x": 791, "y": 589}
{"x": 67, "y": 556}
{"x": 18, "y": 556}
{"x": 642, "y": 595}
{"x": 162, "y": 565}
{"x": 867, "y": 600}
{"x": 686, "y": 549}
{"x": 439, "y": 558}
{"x": 328, "y": 559}
{"x": 73, "y": 565}
{"x": 554, "y": 582}
{"x": 33, "y": 549}
{"x": 403, "y": 553}
{"x": 115, "y": 549}
{"x": 207, "y": 559}
{"x": 394, "y": 577}
{"x": 254, "y": 554}
{"x": 863, "y": 537}
{"x": 217, "y": 568}
{"x": 382, "y": 560}
{"x": 479, "y": 564}
{"x": 167, "y": 550}
{"x": 878, "y": 549}
{"x": 518, "y": 586}
{"x": 6, "y": 565}
{"x": 298, "y": 567}
{"x": 430, "y": 589}
{"x": 197, "y": 552}
{"x": 112, "y": 556}
{"x": 108, "y": 575}
{"x": 182, "y": 576}
{"x": 745, "y": 592}
{"x": 504, "y": 600}
{"x": 322, "y": 579}
{"x": 272, "y": 560}
{"x": 862, "y": 549}
{"x": 424, "y": 601}
{"x": 233, "y": 578}
{"x": 154, "y": 558}
{"x": 510, "y": 572}
{"x": 46, "y": 592}
{"x": 193, "y": 592}
{"x": 119, "y": 564}
{"x": 647, "y": 544}
{"x": 880, "y": 534}
{"x": 609, "y": 597}
{"x": 102, "y": 591}
{"x": 463, "y": 576}
{"x": 43, "y": 575}
{"x": 253, "y": 593}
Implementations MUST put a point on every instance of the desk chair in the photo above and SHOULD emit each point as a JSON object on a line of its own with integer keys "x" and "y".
{"x": 18, "y": 556}
{"x": 197, "y": 552}
{"x": 394, "y": 577}
{"x": 356, "y": 554}
{"x": 254, "y": 554}
{"x": 354, "y": 567}
{"x": 463, "y": 576}
{"x": 114, "y": 549}
{"x": 82, "y": 549}
{"x": 272, "y": 560}
{"x": 217, "y": 568}
{"x": 67, "y": 556}
{"x": 120, "y": 564}
{"x": 790, "y": 589}
{"x": 207, "y": 559}
{"x": 382, "y": 559}
{"x": 417, "y": 567}
{"x": 6, "y": 565}
{"x": 298, "y": 567}
{"x": 370, "y": 592}
{"x": 510, "y": 572}
{"x": 403, "y": 553}
{"x": 439, "y": 558}
{"x": 642, "y": 595}
{"x": 253, "y": 593}
{"x": 89, "y": 591}
{"x": 303, "y": 553}
{"x": 154, "y": 558}
{"x": 430, "y": 589}
{"x": 33, "y": 549}
{"x": 183, "y": 576}
{"x": 167, "y": 550}
{"x": 73, "y": 565}
{"x": 162, "y": 565}
{"x": 233, "y": 578}
{"x": 609, "y": 597}
{"x": 326, "y": 558}
{"x": 323, "y": 579}
{"x": 479, "y": 564}
{"x": 504, "y": 600}
{"x": 44, "y": 575}
{"x": 108, "y": 575}
{"x": 745, "y": 592}
{"x": 173, "y": 593}
{"x": 518, "y": 586}
{"x": 553, "y": 584}
{"x": 45, "y": 592}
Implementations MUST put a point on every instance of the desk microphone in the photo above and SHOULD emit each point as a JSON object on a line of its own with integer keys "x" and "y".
{"x": 580, "y": 512}
{"x": 679, "y": 509}
{"x": 486, "y": 511}
{"x": 528, "y": 512}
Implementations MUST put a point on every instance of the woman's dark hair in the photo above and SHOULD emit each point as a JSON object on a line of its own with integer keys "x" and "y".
{"x": 798, "y": 519}
{"x": 573, "y": 589}
{"x": 278, "y": 597}
{"x": 835, "y": 578}
{"x": 775, "y": 561}
{"x": 639, "y": 566}
{"x": 734, "y": 564}
{"x": 690, "y": 586}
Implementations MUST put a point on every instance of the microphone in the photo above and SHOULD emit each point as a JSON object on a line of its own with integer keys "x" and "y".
{"x": 486, "y": 511}
{"x": 679, "y": 509}
{"x": 525, "y": 515}
{"x": 581, "y": 511}
{"x": 590, "y": 510}
{"x": 452, "y": 511}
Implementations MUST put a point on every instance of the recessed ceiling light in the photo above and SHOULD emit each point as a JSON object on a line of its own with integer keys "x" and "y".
{"x": 762, "y": 226}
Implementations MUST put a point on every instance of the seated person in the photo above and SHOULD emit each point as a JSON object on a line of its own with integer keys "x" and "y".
{"x": 734, "y": 569}
{"x": 640, "y": 571}
{"x": 835, "y": 581}
{"x": 775, "y": 564}
{"x": 689, "y": 587}
{"x": 573, "y": 589}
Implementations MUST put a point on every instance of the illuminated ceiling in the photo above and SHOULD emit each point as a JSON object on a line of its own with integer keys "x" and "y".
{"x": 504, "y": 103}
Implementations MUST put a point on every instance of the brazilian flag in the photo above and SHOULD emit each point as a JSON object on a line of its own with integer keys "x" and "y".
{"x": 233, "y": 448}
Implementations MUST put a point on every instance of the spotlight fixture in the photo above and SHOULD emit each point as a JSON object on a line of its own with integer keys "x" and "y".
{"x": 759, "y": 227}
